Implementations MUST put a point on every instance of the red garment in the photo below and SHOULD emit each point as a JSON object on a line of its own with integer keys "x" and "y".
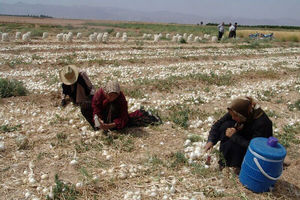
{"x": 100, "y": 103}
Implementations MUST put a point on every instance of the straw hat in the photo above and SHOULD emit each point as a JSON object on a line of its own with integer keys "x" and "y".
{"x": 69, "y": 74}
{"x": 112, "y": 86}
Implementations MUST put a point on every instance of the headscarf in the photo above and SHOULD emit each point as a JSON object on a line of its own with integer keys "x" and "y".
{"x": 112, "y": 86}
{"x": 246, "y": 109}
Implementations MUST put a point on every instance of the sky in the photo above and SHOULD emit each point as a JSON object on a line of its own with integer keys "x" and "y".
{"x": 255, "y": 9}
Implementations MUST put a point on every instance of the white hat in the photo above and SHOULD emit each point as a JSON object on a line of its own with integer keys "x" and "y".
{"x": 69, "y": 74}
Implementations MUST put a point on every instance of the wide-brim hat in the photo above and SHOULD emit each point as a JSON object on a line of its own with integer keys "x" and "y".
{"x": 69, "y": 74}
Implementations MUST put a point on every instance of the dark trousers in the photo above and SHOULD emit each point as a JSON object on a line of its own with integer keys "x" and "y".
{"x": 234, "y": 34}
{"x": 87, "y": 111}
{"x": 220, "y": 35}
{"x": 230, "y": 34}
{"x": 232, "y": 154}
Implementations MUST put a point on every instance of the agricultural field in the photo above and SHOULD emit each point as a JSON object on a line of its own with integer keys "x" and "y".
{"x": 51, "y": 152}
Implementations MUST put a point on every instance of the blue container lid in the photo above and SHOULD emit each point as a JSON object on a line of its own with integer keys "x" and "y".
{"x": 262, "y": 146}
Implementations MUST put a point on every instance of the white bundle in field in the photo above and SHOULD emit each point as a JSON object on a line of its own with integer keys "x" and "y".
{"x": 190, "y": 38}
{"x": 5, "y": 37}
{"x": 124, "y": 38}
{"x": 79, "y": 35}
{"x": 93, "y": 37}
{"x": 144, "y": 35}
{"x": 214, "y": 39}
{"x": 59, "y": 37}
{"x": 206, "y": 36}
{"x": 196, "y": 39}
{"x": 149, "y": 36}
{"x": 185, "y": 36}
{"x": 156, "y": 38}
{"x": 174, "y": 39}
{"x": 65, "y": 36}
{"x": 105, "y": 37}
{"x": 168, "y": 36}
{"x": 160, "y": 35}
{"x": 69, "y": 38}
{"x": 18, "y": 35}
{"x": 99, "y": 37}
{"x": 118, "y": 35}
{"x": 26, "y": 37}
{"x": 179, "y": 38}
{"x": 45, "y": 35}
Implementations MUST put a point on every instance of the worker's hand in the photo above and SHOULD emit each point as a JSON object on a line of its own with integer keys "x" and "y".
{"x": 208, "y": 146}
{"x": 230, "y": 132}
{"x": 104, "y": 127}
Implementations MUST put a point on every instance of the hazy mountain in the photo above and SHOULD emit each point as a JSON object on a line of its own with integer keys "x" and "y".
{"x": 112, "y": 13}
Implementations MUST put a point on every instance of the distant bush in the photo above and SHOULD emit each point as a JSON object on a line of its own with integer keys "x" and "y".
{"x": 109, "y": 31}
{"x": 9, "y": 88}
{"x": 182, "y": 41}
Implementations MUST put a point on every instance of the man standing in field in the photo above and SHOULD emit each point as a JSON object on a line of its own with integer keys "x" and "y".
{"x": 231, "y": 30}
{"x": 221, "y": 30}
{"x": 234, "y": 32}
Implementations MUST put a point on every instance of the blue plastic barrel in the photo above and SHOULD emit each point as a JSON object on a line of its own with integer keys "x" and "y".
{"x": 263, "y": 164}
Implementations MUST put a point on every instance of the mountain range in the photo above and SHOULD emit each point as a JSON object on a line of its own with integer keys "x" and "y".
{"x": 114, "y": 13}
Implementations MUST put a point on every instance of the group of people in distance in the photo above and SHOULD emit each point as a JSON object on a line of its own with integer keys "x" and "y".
{"x": 107, "y": 109}
{"x": 232, "y": 30}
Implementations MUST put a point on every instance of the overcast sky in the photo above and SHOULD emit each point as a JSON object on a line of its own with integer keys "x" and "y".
{"x": 268, "y": 9}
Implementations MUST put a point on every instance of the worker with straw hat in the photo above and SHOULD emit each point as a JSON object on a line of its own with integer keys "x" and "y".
{"x": 78, "y": 87}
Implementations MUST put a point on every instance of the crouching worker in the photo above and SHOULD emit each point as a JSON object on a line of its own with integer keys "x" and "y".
{"x": 244, "y": 121}
{"x": 78, "y": 87}
{"x": 110, "y": 110}
{"x": 110, "y": 107}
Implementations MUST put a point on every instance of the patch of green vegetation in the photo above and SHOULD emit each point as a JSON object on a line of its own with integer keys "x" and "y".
{"x": 16, "y": 61}
{"x": 139, "y": 44}
{"x": 53, "y": 80}
{"x": 195, "y": 138}
{"x": 266, "y": 95}
{"x": 294, "y": 106}
{"x": 109, "y": 31}
{"x": 36, "y": 57}
{"x": 288, "y": 136}
{"x": 85, "y": 173}
{"x": 179, "y": 160}
{"x": 179, "y": 115}
{"x": 56, "y": 119}
{"x": 9, "y": 88}
{"x": 41, "y": 155}
{"x": 127, "y": 144}
{"x": 82, "y": 147}
{"x": 136, "y": 93}
{"x": 182, "y": 41}
{"x": 213, "y": 193}
{"x": 271, "y": 113}
{"x": 213, "y": 79}
{"x": 155, "y": 161}
{"x": 265, "y": 74}
{"x": 61, "y": 137}
{"x": 8, "y": 128}
{"x": 63, "y": 191}
{"x": 200, "y": 170}
{"x": 67, "y": 59}
{"x": 254, "y": 45}
{"x": 98, "y": 61}
{"x": 160, "y": 28}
